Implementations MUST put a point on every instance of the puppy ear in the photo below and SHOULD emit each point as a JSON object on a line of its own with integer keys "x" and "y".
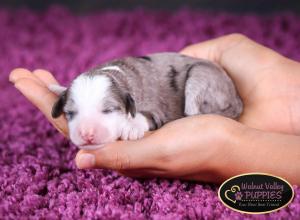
{"x": 130, "y": 105}
{"x": 58, "y": 106}
{"x": 57, "y": 89}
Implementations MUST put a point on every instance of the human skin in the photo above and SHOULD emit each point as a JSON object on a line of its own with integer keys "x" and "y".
{"x": 208, "y": 148}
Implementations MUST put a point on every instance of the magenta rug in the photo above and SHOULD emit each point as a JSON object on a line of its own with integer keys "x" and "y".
{"x": 38, "y": 178}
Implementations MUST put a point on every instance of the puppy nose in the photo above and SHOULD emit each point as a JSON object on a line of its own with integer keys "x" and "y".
{"x": 87, "y": 135}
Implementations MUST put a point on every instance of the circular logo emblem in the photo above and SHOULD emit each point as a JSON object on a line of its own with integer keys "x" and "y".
{"x": 256, "y": 193}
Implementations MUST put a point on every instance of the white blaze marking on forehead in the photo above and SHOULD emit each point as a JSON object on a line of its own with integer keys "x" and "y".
{"x": 112, "y": 68}
{"x": 88, "y": 92}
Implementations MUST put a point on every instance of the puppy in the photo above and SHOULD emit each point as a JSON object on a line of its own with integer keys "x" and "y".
{"x": 124, "y": 98}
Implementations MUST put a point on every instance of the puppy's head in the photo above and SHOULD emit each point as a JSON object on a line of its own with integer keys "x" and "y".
{"x": 95, "y": 107}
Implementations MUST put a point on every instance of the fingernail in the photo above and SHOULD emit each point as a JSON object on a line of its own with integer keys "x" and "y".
{"x": 86, "y": 161}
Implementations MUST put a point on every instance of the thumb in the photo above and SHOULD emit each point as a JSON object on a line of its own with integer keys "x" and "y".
{"x": 243, "y": 59}
{"x": 121, "y": 155}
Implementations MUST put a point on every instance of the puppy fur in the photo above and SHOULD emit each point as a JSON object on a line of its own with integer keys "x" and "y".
{"x": 125, "y": 98}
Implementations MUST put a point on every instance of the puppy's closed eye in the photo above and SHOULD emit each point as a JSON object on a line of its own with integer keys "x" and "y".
{"x": 111, "y": 109}
{"x": 70, "y": 114}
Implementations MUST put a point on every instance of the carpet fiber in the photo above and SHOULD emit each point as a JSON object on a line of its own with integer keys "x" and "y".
{"x": 38, "y": 178}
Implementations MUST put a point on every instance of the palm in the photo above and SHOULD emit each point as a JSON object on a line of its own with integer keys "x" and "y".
{"x": 268, "y": 83}
{"x": 268, "y": 105}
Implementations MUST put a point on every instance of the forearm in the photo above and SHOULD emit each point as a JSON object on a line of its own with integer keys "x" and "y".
{"x": 252, "y": 150}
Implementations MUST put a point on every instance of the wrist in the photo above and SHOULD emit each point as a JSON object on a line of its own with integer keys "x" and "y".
{"x": 265, "y": 152}
{"x": 227, "y": 153}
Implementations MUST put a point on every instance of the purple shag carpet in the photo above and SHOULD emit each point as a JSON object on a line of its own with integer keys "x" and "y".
{"x": 38, "y": 178}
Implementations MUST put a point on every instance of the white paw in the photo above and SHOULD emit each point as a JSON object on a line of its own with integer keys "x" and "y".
{"x": 132, "y": 133}
{"x": 135, "y": 128}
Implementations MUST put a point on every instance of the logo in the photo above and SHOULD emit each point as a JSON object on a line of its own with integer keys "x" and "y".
{"x": 256, "y": 193}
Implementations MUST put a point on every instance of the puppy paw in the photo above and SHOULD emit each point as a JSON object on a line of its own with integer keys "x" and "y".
{"x": 132, "y": 133}
{"x": 135, "y": 128}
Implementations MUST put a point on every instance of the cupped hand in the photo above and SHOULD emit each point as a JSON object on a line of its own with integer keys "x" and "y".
{"x": 34, "y": 86}
{"x": 194, "y": 147}
{"x": 183, "y": 148}
{"x": 267, "y": 82}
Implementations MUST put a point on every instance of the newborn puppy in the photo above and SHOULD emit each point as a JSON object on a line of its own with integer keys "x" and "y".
{"x": 125, "y": 98}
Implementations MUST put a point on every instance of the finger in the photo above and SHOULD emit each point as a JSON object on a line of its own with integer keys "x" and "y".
{"x": 121, "y": 155}
{"x": 148, "y": 133}
{"x": 212, "y": 49}
{"x": 210, "y": 177}
{"x": 147, "y": 173}
{"x": 143, "y": 173}
{"x": 43, "y": 99}
{"x": 20, "y": 73}
{"x": 227, "y": 48}
{"x": 150, "y": 173}
{"x": 45, "y": 76}
{"x": 243, "y": 59}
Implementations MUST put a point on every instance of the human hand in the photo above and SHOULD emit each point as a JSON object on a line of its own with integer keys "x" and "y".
{"x": 267, "y": 82}
{"x": 33, "y": 85}
{"x": 177, "y": 149}
{"x": 162, "y": 153}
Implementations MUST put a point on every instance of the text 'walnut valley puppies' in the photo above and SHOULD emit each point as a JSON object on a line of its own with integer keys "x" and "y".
{"x": 125, "y": 98}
